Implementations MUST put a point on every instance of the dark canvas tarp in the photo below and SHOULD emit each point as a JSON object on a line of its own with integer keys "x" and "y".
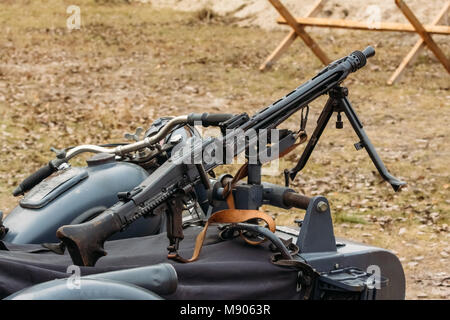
{"x": 229, "y": 269}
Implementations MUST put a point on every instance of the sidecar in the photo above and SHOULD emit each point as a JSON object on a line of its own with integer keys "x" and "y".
{"x": 228, "y": 268}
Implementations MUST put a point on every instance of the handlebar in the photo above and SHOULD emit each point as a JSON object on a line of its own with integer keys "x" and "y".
{"x": 44, "y": 172}
{"x": 206, "y": 120}
{"x": 122, "y": 150}
{"x": 37, "y": 177}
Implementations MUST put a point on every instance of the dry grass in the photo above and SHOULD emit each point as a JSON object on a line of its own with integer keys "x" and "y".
{"x": 130, "y": 64}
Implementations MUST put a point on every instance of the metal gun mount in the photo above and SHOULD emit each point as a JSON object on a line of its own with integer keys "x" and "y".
{"x": 338, "y": 102}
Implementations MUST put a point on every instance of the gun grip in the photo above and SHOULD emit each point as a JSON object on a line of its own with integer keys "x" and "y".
{"x": 85, "y": 241}
{"x": 175, "y": 219}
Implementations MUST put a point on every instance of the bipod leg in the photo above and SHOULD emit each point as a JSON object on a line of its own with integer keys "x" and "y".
{"x": 321, "y": 124}
{"x": 340, "y": 95}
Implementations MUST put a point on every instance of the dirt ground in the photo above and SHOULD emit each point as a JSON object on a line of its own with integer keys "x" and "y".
{"x": 132, "y": 62}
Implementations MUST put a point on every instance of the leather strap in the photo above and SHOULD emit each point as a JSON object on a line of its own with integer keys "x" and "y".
{"x": 240, "y": 174}
{"x": 224, "y": 216}
{"x": 300, "y": 135}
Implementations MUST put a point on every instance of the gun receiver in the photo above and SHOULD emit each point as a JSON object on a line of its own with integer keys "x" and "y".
{"x": 85, "y": 241}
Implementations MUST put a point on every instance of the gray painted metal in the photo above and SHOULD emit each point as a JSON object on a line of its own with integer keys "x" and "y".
{"x": 88, "y": 197}
{"x": 273, "y": 195}
{"x": 142, "y": 283}
{"x": 352, "y": 254}
{"x": 316, "y": 234}
{"x": 160, "y": 278}
{"x": 89, "y": 289}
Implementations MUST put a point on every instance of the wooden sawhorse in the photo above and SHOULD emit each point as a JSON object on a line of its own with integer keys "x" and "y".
{"x": 298, "y": 30}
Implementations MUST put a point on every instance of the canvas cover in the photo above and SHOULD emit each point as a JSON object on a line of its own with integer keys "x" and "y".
{"x": 230, "y": 269}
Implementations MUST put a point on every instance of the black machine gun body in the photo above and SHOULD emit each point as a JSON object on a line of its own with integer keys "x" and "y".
{"x": 177, "y": 177}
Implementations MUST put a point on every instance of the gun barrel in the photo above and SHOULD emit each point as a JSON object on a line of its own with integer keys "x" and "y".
{"x": 330, "y": 76}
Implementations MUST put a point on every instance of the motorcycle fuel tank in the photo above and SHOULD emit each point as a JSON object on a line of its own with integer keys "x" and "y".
{"x": 73, "y": 196}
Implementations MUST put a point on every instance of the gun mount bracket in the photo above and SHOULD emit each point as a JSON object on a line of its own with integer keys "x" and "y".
{"x": 316, "y": 233}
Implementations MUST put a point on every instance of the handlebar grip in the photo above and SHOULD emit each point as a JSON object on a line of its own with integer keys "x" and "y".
{"x": 207, "y": 119}
{"x": 34, "y": 179}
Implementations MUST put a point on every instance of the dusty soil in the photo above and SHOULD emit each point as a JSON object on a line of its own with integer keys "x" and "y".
{"x": 131, "y": 63}
{"x": 262, "y": 14}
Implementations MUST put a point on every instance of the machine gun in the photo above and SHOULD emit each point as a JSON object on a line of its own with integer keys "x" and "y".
{"x": 164, "y": 190}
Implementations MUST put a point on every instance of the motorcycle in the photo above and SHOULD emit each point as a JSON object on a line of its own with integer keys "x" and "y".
{"x": 60, "y": 194}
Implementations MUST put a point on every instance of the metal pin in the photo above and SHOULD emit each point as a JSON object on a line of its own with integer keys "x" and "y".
{"x": 322, "y": 206}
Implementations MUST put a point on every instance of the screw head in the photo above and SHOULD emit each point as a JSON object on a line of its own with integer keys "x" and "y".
{"x": 322, "y": 206}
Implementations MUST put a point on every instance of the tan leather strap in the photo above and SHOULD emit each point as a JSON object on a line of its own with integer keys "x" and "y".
{"x": 224, "y": 216}
{"x": 240, "y": 174}
{"x": 300, "y": 135}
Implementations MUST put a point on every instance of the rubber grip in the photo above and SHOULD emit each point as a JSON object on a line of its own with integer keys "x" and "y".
{"x": 207, "y": 119}
{"x": 34, "y": 179}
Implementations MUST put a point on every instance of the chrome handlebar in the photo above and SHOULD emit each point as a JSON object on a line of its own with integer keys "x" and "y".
{"x": 123, "y": 150}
